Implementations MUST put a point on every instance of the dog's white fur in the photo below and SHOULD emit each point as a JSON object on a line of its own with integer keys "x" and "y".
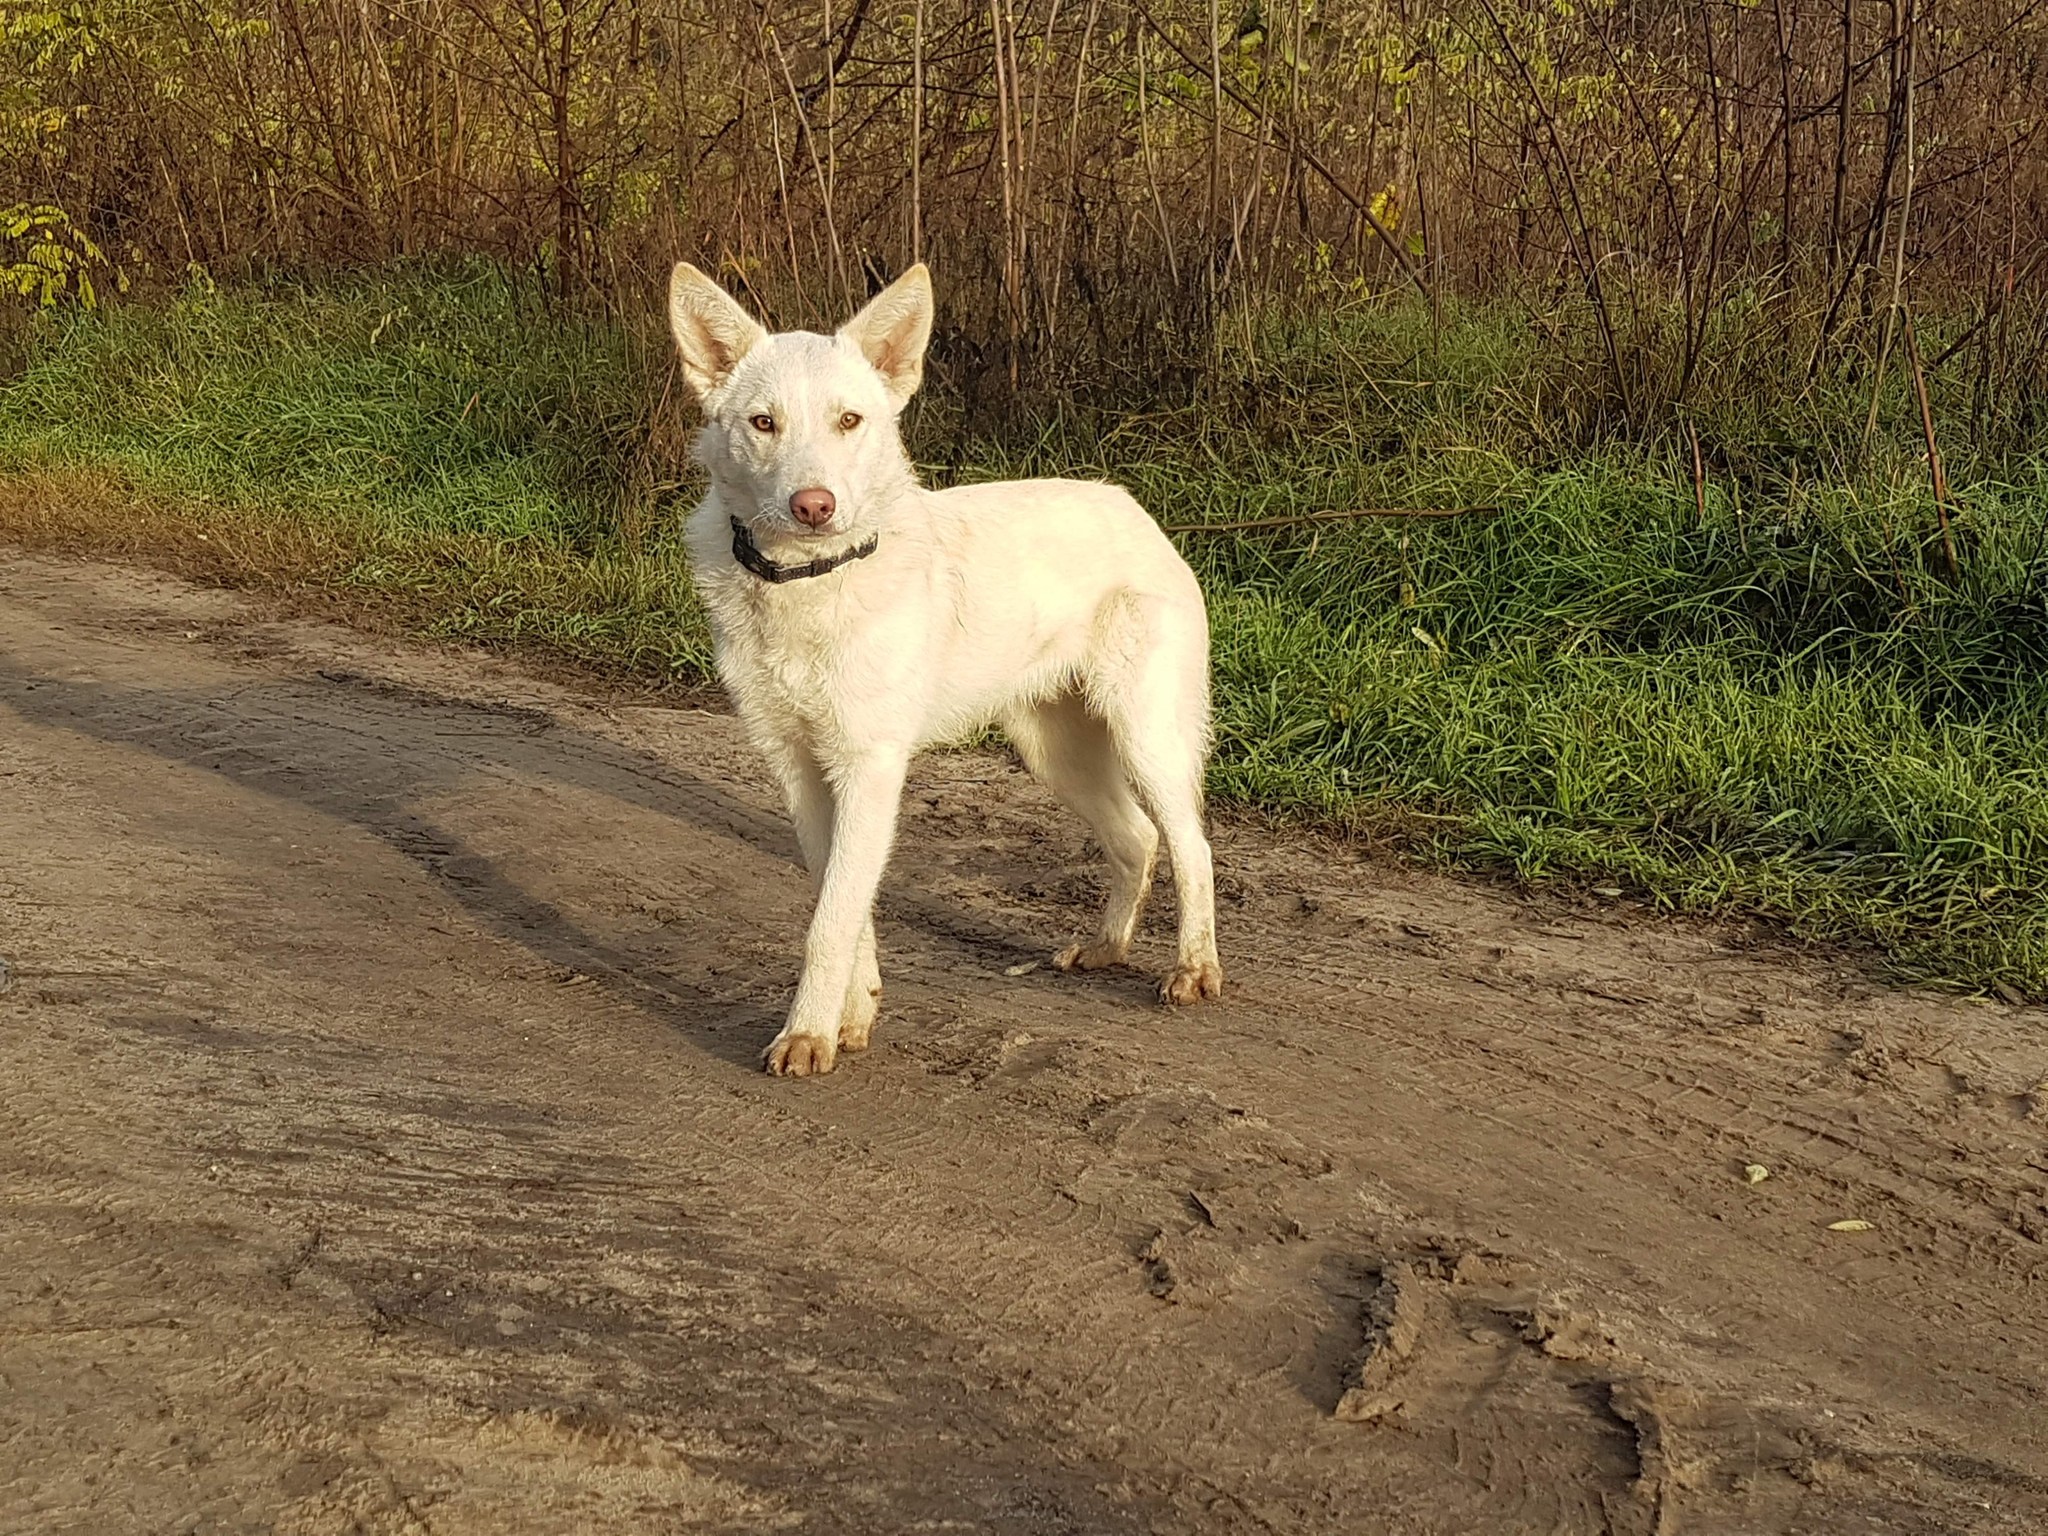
{"x": 1054, "y": 607}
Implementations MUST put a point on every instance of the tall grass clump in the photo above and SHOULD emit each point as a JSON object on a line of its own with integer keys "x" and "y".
{"x": 1746, "y": 664}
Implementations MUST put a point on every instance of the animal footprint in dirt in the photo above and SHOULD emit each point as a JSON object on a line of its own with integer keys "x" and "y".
{"x": 1463, "y": 1351}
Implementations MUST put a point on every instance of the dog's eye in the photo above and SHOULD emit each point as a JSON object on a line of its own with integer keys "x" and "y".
{"x": 763, "y": 423}
{"x": 849, "y": 421}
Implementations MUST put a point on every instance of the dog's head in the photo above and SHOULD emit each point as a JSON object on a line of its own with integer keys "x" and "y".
{"x": 800, "y": 430}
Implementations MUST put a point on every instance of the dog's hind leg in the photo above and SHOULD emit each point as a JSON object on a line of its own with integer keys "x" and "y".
{"x": 809, "y": 797}
{"x": 1151, "y": 683}
{"x": 1070, "y": 750}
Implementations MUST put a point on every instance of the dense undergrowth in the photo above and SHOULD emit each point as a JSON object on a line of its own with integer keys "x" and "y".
{"x": 1770, "y": 684}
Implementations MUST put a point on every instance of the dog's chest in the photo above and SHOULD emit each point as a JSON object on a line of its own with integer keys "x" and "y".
{"x": 798, "y": 663}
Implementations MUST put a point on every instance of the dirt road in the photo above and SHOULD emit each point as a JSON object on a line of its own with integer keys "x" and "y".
{"x": 384, "y": 1150}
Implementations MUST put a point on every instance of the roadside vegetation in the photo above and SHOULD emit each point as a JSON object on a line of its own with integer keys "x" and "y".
{"x": 1718, "y": 335}
{"x": 1744, "y": 664}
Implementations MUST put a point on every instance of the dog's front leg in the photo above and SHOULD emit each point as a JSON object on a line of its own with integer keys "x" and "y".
{"x": 866, "y": 797}
{"x": 809, "y": 794}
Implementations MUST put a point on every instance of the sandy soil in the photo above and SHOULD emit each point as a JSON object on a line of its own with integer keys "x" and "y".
{"x": 383, "y": 1149}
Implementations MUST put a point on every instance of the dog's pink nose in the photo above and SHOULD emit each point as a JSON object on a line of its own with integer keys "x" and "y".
{"x": 813, "y": 508}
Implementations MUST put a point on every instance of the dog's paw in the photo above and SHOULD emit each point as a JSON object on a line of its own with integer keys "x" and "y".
{"x": 1186, "y": 984}
{"x": 801, "y": 1055}
{"x": 859, "y": 1020}
{"x": 1092, "y": 956}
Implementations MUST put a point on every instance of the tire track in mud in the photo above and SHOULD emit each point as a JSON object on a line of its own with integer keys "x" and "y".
{"x": 469, "y": 978}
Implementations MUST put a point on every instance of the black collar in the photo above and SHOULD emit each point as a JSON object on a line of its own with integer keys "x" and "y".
{"x": 748, "y": 553}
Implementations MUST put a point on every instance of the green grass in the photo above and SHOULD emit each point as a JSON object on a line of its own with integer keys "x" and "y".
{"x": 1782, "y": 703}
{"x": 490, "y": 462}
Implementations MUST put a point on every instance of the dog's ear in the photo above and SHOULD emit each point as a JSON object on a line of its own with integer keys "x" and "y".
{"x": 712, "y": 332}
{"x": 893, "y": 330}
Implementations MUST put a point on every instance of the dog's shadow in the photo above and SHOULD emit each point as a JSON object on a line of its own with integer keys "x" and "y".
{"x": 327, "y": 746}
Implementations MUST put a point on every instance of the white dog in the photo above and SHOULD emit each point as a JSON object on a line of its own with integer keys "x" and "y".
{"x": 859, "y": 617}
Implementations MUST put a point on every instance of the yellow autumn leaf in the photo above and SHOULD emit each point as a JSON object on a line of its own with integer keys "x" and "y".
{"x": 1386, "y": 207}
